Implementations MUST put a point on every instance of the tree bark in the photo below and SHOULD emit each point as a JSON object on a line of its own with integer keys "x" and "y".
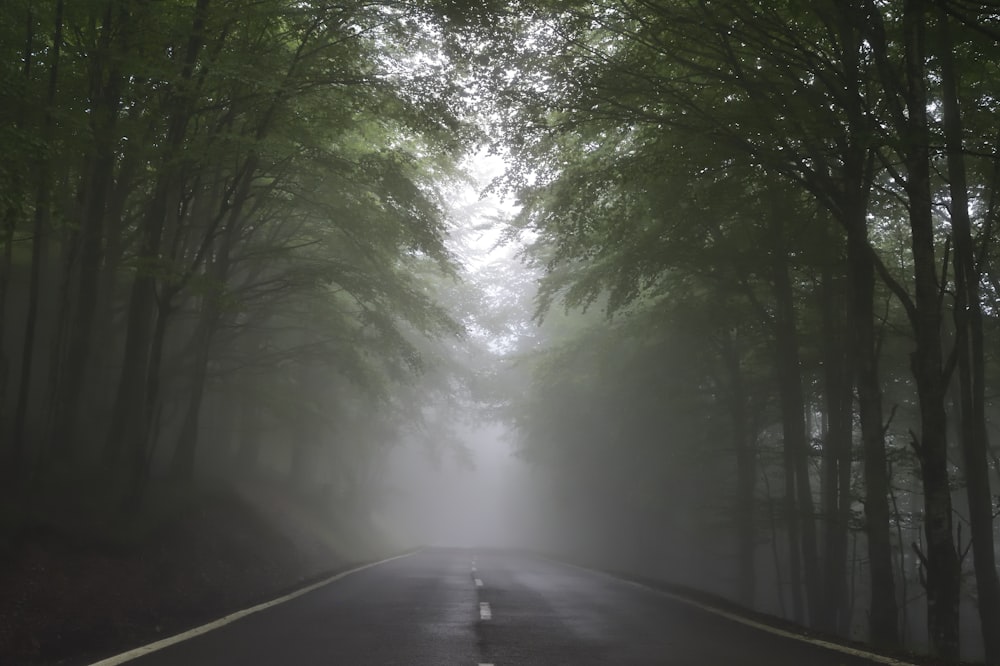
{"x": 9, "y": 227}
{"x": 884, "y": 611}
{"x": 183, "y": 464}
{"x": 746, "y": 473}
{"x": 850, "y": 207}
{"x": 130, "y": 416}
{"x": 971, "y": 362}
{"x": 105, "y": 93}
{"x": 943, "y": 569}
{"x": 38, "y": 249}
{"x": 799, "y": 500}
{"x": 147, "y": 418}
{"x": 906, "y": 103}
{"x": 837, "y": 373}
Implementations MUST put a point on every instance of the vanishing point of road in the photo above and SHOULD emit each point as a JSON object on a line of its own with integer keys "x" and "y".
{"x": 455, "y": 607}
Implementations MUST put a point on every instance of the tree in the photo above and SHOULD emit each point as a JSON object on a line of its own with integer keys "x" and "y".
{"x": 829, "y": 98}
{"x": 237, "y": 160}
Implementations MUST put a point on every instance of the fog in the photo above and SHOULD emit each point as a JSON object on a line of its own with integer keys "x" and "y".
{"x": 704, "y": 293}
{"x": 479, "y": 498}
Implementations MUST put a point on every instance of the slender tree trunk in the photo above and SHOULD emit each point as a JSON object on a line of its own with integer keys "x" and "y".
{"x": 855, "y": 27}
{"x": 38, "y": 248}
{"x": 775, "y": 549}
{"x": 746, "y": 474}
{"x": 943, "y": 568}
{"x": 145, "y": 423}
{"x": 71, "y": 389}
{"x": 8, "y": 228}
{"x": 846, "y": 498}
{"x": 106, "y": 81}
{"x": 796, "y": 445}
{"x": 907, "y": 104}
{"x": 5, "y": 270}
{"x": 130, "y": 418}
{"x": 903, "y": 587}
{"x": 969, "y": 344}
{"x": 98, "y": 368}
{"x": 837, "y": 371}
{"x": 884, "y": 611}
{"x": 183, "y": 463}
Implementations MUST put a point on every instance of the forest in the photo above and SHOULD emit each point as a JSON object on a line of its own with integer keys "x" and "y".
{"x": 732, "y": 295}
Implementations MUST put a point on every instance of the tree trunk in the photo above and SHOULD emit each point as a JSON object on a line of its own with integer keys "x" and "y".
{"x": 105, "y": 90}
{"x": 851, "y": 210}
{"x": 5, "y": 269}
{"x": 99, "y": 367}
{"x": 141, "y": 448}
{"x": 38, "y": 249}
{"x": 798, "y": 500}
{"x": 130, "y": 418}
{"x": 183, "y": 463}
{"x": 837, "y": 372}
{"x": 968, "y": 316}
{"x": 775, "y": 549}
{"x": 884, "y": 612}
{"x": 943, "y": 569}
{"x": 9, "y": 227}
{"x": 182, "y": 467}
{"x": 746, "y": 474}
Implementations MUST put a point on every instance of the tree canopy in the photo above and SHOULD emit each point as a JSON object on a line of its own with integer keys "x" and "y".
{"x": 749, "y": 339}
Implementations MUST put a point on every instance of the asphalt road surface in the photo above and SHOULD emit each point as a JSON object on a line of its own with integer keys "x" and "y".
{"x": 458, "y": 607}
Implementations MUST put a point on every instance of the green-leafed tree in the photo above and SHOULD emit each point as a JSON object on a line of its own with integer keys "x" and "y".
{"x": 833, "y": 101}
{"x": 202, "y": 172}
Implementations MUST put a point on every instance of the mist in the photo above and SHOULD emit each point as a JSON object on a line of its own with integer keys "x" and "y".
{"x": 480, "y": 498}
{"x": 702, "y": 295}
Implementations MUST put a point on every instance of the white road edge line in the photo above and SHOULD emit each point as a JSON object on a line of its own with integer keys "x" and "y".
{"x": 836, "y": 647}
{"x": 484, "y": 611}
{"x": 223, "y": 621}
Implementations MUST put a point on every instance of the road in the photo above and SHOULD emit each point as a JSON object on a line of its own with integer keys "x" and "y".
{"x": 459, "y": 607}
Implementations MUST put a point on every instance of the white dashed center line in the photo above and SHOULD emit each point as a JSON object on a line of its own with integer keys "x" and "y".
{"x": 479, "y": 582}
{"x": 484, "y": 611}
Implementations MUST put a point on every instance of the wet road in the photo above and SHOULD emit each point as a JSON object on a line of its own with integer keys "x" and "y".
{"x": 458, "y": 607}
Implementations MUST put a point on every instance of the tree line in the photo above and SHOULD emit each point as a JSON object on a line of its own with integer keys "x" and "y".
{"x": 223, "y": 227}
{"x": 224, "y": 224}
{"x": 786, "y": 212}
